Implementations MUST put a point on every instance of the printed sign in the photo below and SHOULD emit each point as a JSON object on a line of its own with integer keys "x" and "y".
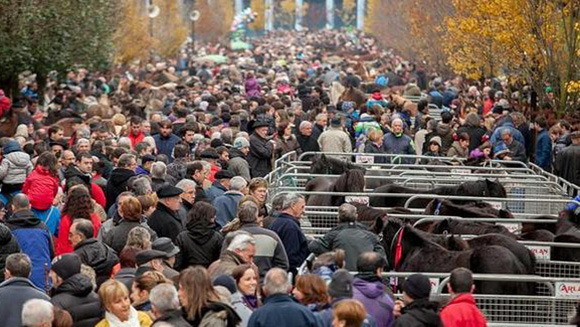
{"x": 568, "y": 290}
{"x": 497, "y": 205}
{"x": 434, "y": 285}
{"x": 461, "y": 171}
{"x": 541, "y": 252}
{"x": 365, "y": 159}
{"x": 375, "y": 167}
{"x": 514, "y": 228}
{"x": 357, "y": 199}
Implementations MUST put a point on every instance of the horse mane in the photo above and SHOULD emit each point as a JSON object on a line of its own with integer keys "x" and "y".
{"x": 351, "y": 181}
{"x": 478, "y": 227}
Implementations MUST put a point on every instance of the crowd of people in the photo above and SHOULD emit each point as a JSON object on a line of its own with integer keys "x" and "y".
{"x": 159, "y": 214}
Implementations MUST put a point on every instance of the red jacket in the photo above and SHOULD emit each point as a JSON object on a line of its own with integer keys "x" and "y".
{"x": 135, "y": 139}
{"x": 214, "y": 169}
{"x": 41, "y": 187}
{"x": 63, "y": 244}
{"x": 462, "y": 312}
{"x": 98, "y": 194}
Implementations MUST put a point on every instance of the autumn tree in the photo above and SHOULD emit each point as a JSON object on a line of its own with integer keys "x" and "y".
{"x": 132, "y": 38}
{"x": 169, "y": 28}
{"x": 215, "y": 20}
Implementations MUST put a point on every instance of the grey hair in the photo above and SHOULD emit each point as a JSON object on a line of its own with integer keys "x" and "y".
{"x": 141, "y": 186}
{"x": 276, "y": 282}
{"x": 139, "y": 237}
{"x": 20, "y": 201}
{"x": 164, "y": 298}
{"x": 124, "y": 142}
{"x": 320, "y": 116}
{"x": 291, "y": 199}
{"x": 158, "y": 169}
{"x": 238, "y": 183}
{"x": 346, "y": 213}
{"x": 125, "y": 159}
{"x": 278, "y": 201}
{"x": 184, "y": 183}
{"x": 506, "y": 131}
{"x": 241, "y": 242}
{"x": 304, "y": 124}
{"x": 396, "y": 120}
{"x": 248, "y": 212}
{"x": 244, "y": 135}
{"x": 83, "y": 140}
{"x": 36, "y": 312}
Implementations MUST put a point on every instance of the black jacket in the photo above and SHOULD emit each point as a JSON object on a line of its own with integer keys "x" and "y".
{"x": 76, "y": 296}
{"x": 260, "y": 157}
{"x": 308, "y": 143}
{"x": 567, "y": 164}
{"x": 117, "y": 184}
{"x": 165, "y": 222}
{"x": 98, "y": 256}
{"x": 8, "y": 245}
{"x": 173, "y": 318}
{"x": 126, "y": 276}
{"x": 117, "y": 236}
{"x": 199, "y": 245}
{"x": 420, "y": 313}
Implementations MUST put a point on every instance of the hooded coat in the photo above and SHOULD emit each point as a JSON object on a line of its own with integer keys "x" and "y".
{"x": 8, "y": 245}
{"x": 420, "y": 313}
{"x": 445, "y": 132}
{"x": 457, "y": 150}
{"x": 76, "y": 296}
{"x": 15, "y": 167}
{"x": 226, "y": 207}
{"x": 98, "y": 256}
{"x": 473, "y": 129}
{"x": 117, "y": 184}
{"x": 238, "y": 164}
{"x": 35, "y": 240}
{"x": 41, "y": 188}
{"x": 260, "y": 157}
{"x": 369, "y": 290}
{"x": 199, "y": 245}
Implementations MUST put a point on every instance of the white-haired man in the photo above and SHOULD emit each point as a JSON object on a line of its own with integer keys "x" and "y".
{"x": 37, "y": 313}
{"x": 397, "y": 142}
{"x": 165, "y": 306}
{"x": 241, "y": 250}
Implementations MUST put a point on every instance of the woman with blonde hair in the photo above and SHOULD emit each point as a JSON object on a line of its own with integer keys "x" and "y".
{"x": 119, "y": 312}
{"x": 200, "y": 301}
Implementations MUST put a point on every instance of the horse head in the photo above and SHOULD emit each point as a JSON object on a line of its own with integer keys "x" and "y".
{"x": 455, "y": 243}
{"x": 495, "y": 189}
{"x": 405, "y": 241}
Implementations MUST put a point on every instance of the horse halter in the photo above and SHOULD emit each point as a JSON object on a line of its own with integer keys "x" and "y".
{"x": 438, "y": 208}
{"x": 398, "y": 247}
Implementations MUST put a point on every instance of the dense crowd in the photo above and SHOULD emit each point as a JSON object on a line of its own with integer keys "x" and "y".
{"x": 149, "y": 205}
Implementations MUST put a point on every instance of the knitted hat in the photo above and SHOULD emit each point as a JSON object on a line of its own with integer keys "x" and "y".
{"x": 241, "y": 142}
{"x": 226, "y": 281}
{"x": 341, "y": 284}
{"x": 435, "y": 139}
{"x": 417, "y": 286}
{"x": 66, "y": 265}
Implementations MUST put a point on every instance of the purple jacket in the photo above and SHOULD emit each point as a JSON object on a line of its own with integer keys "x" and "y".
{"x": 369, "y": 291}
{"x": 252, "y": 88}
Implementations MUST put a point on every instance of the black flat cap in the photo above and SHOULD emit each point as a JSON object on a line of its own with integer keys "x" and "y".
{"x": 224, "y": 174}
{"x": 260, "y": 123}
{"x": 168, "y": 191}
{"x": 146, "y": 158}
{"x": 164, "y": 244}
{"x": 209, "y": 154}
{"x": 145, "y": 256}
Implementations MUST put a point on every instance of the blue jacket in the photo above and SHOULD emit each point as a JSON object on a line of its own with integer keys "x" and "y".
{"x": 544, "y": 150}
{"x": 295, "y": 243}
{"x": 141, "y": 171}
{"x": 496, "y": 136}
{"x": 216, "y": 189}
{"x": 280, "y": 310}
{"x": 401, "y": 144}
{"x": 50, "y": 217}
{"x": 35, "y": 240}
{"x": 165, "y": 145}
{"x": 226, "y": 206}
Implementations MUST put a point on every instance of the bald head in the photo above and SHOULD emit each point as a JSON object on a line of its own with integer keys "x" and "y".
{"x": 20, "y": 202}
{"x": 276, "y": 282}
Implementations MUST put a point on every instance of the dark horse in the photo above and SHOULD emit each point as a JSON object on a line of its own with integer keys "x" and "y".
{"x": 351, "y": 181}
{"x": 331, "y": 166}
{"x": 413, "y": 252}
{"x": 470, "y": 210}
{"x": 389, "y": 228}
{"x": 11, "y": 120}
{"x": 481, "y": 188}
{"x": 461, "y": 227}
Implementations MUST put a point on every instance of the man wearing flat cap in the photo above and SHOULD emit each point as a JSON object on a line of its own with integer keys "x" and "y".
{"x": 416, "y": 310}
{"x": 150, "y": 260}
{"x": 220, "y": 186}
{"x": 165, "y": 219}
{"x": 261, "y": 150}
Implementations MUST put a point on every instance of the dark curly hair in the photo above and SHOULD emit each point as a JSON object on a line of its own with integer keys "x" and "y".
{"x": 78, "y": 203}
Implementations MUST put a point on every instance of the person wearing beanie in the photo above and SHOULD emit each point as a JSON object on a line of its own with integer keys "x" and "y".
{"x": 415, "y": 309}
{"x": 236, "y": 300}
{"x": 238, "y": 164}
{"x": 16, "y": 165}
{"x": 73, "y": 291}
{"x": 335, "y": 139}
{"x": 339, "y": 289}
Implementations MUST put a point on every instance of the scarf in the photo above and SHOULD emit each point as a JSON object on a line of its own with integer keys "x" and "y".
{"x": 115, "y": 322}
{"x": 251, "y": 301}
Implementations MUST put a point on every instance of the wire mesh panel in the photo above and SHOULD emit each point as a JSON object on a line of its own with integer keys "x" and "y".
{"x": 558, "y": 269}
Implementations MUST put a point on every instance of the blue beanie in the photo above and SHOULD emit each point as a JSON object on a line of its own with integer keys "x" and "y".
{"x": 11, "y": 146}
{"x": 226, "y": 281}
